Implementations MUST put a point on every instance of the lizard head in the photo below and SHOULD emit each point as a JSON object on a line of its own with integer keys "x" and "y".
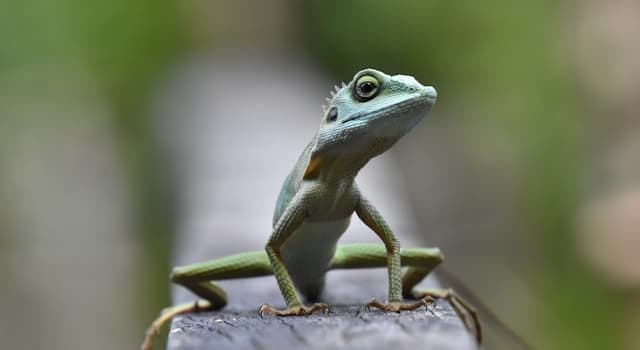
{"x": 367, "y": 116}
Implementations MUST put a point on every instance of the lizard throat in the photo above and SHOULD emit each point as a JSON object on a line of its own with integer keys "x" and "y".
{"x": 338, "y": 167}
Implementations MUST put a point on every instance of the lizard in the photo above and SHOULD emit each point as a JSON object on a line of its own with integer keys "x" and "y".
{"x": 362, "y": 120}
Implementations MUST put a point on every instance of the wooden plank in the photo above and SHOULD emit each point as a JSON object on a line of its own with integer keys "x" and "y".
{"x": 235, "y": 128}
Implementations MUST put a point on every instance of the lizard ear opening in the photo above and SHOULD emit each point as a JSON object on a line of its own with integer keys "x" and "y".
{"x": 332, "y": 115}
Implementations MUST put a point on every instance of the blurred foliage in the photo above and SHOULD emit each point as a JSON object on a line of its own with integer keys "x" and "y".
{"x": 125, "y": 47}
{"x": 129, "y": 46}
{"x": 503, "y": 60}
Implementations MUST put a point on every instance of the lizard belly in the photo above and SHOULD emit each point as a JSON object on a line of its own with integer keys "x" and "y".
{"x": 310, "y": 249}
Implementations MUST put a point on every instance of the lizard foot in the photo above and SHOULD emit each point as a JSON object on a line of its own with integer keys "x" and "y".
{"x": 298, "y": 310}
{"x": 463, "y": 309}
{"x": 397, "y": 306}
{"x": 167, "y": 314}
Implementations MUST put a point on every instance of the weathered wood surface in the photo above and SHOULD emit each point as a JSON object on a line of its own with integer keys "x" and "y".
{"x": 234, "y": 129}
{"x": 347, "y": 328}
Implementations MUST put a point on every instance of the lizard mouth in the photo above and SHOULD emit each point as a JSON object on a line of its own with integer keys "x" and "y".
{"x": 400, "y": 107}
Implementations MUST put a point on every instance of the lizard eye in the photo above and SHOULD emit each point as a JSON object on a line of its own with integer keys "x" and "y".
{"x": 366, "y": 88}
{"x": 332, "y": 115}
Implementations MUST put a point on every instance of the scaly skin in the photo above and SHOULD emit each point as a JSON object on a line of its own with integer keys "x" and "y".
{"x": 362, "y": 120}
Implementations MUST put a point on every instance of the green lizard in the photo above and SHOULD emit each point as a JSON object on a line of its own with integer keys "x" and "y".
{"x": 362, "y": 120}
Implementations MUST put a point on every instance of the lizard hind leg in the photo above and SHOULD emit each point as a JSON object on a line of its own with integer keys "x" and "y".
{"x": 420, "y": 262}
{"x": 169, "y": 313}
{"x": 198, "y": 279}
{"x": 463, "y": 309}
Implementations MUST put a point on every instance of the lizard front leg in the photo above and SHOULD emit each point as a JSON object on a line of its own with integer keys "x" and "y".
{"x": 372, "y": 218}
{"x": 289, "y": 221}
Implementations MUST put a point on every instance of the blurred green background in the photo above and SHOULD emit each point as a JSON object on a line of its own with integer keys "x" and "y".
{"x": 537, "y": 115}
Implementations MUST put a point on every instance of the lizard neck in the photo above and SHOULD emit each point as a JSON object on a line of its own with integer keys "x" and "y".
{"x": 340, "y": 167}
{"x": 337, "y": 171}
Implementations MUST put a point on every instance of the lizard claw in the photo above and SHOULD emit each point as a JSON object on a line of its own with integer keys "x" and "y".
{"x": 298, "y": 310}
{"x": 397, "y": 306}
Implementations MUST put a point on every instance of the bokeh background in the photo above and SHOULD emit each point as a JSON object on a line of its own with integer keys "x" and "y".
{"x": 532, "y": 152}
